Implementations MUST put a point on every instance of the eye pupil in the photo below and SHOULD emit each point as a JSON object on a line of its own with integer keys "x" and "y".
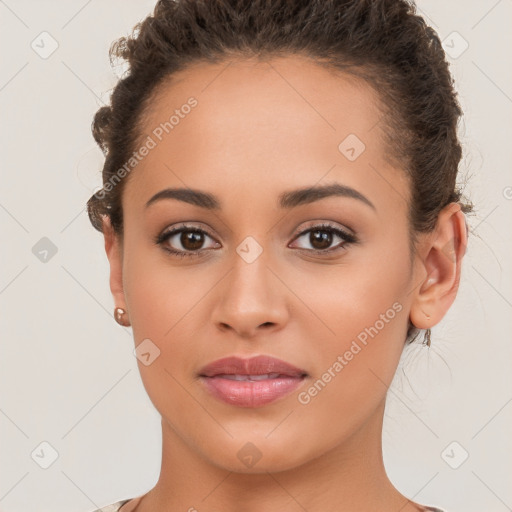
{"x": 324, "y": 237}
{"x": 193, "y": 237}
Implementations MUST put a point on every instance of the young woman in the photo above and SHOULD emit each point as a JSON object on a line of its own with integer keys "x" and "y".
{"x": 281, "y": 217}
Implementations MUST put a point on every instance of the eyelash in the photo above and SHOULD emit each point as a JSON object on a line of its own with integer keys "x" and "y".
{"x": 347, "y": 237}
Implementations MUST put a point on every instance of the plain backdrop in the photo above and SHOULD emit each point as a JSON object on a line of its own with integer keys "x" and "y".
{"x": 71, "y": 395}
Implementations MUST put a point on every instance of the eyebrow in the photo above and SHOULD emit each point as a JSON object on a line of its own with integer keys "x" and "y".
{"x": 289, "y": 199}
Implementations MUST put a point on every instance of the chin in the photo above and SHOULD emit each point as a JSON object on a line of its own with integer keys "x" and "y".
{"x": 256, "y": 454}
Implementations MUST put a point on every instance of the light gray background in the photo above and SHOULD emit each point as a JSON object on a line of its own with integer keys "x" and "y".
{"x": 68, "y": 375}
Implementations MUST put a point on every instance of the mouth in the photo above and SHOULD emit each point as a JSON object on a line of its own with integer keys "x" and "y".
{"x": 256, "y": 377}
{"x": 253, "y": 382}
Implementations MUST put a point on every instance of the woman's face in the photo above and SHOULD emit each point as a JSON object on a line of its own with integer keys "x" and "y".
{"x": 259, "y": 277}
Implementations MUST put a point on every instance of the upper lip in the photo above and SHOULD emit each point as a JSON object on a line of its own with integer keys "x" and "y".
{"x": 258, "y": 365}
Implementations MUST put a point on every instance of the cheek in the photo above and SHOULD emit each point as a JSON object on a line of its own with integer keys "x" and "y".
{"x": 357, "y": 363}
{"x": 354, "y": 297}
{"x": 364, "y": 311}
{"x": 161, "y": 299}
{"x": 158, "y": 291}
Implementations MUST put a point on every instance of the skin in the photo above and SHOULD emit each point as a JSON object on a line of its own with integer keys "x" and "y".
{"x": 259, "y": 129}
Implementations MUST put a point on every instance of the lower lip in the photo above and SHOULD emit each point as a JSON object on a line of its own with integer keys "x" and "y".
{"x": 244, "y": 393}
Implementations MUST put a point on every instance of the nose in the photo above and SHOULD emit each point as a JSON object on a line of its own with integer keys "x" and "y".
{"x": 251, "y": 300}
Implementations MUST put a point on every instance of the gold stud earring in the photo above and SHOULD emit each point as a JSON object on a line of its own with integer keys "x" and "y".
{"x": 121, "y": 317}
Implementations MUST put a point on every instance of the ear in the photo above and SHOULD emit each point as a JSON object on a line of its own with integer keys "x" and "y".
{"x": 114, "y": 250}
{"x": 442, "y": 262}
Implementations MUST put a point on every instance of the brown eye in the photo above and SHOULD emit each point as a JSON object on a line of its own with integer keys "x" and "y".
{"x": 321, "y": 238}
{"x": 191, "y": 240}
{"x": 184, "y": 240}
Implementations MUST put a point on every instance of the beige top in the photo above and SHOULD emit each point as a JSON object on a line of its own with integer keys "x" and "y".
{"x": 128, "y": 505}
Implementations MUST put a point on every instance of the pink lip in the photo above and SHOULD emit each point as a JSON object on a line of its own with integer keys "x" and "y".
{"x": 251, "y": 393}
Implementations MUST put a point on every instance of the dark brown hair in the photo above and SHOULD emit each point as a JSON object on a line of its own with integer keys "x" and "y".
{"x": 382, "y": 41}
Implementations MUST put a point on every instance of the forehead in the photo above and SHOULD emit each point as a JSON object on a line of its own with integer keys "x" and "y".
{"x": 265, "y": 124}
{"x": 279, "y": 89}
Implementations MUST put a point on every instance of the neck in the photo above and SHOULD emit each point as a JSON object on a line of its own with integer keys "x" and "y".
{"x": 347, "y": 478}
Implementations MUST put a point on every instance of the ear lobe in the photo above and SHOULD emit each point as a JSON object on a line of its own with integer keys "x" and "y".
{"x": 114, "y": 250}
{"x": 442, "y": 263}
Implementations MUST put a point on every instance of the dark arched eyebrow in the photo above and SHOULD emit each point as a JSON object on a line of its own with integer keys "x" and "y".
{"x": 306, "y": 195}
{"x": 288, "y": 199}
